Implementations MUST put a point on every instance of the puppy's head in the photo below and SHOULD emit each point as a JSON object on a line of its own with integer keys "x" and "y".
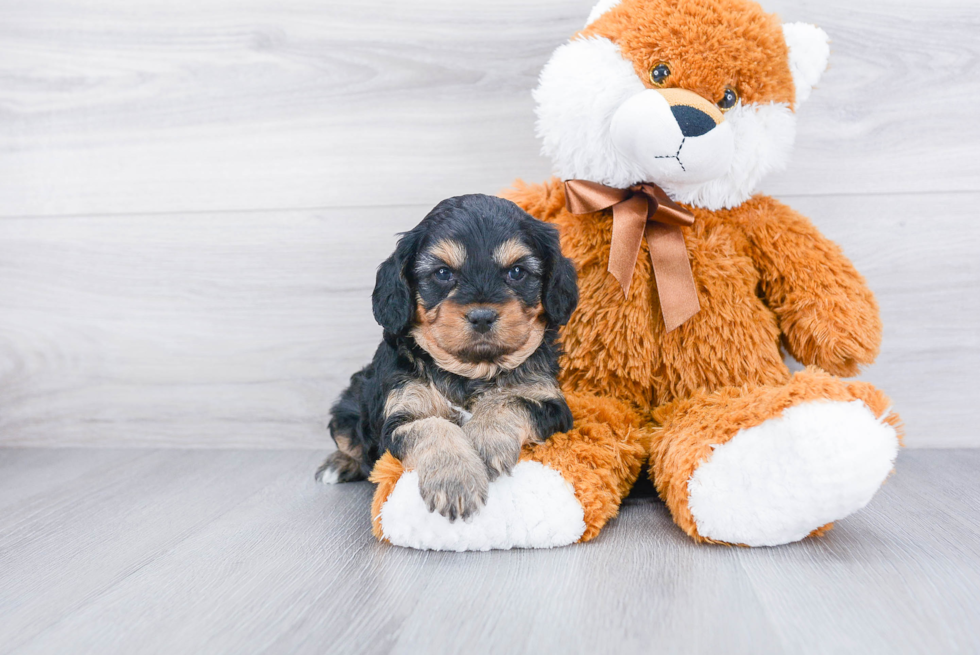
{"x": 476, "y": 284}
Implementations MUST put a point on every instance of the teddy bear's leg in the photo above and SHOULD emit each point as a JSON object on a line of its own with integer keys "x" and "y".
{"x": 769, "y": 465}
{"x": 562, "y": 491}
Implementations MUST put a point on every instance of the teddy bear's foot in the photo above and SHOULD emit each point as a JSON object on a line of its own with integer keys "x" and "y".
{"x": 534, "y": 507}
{"x": 781, "y": 480}
{"x": 562, "y": 491}
{"x": 777, "y": 464}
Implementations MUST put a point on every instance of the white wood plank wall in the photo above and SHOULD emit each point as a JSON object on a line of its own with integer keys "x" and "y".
{"x": 194, "y": 196}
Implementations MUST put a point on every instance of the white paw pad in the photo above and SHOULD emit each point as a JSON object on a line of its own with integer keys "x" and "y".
{"x": 534, "y": 507}
{"x": 778, "y": 481}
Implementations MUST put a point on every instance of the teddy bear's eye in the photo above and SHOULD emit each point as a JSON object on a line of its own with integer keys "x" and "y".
{"x": 660, "y": 73}
{"x": 729, "y": 100}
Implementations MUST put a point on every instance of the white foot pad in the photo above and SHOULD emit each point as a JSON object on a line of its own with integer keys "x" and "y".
{"x": 534, "y": 507}
{"x": 777, "y": 482}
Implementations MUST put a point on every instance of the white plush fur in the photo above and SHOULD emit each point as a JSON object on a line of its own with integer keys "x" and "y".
{"x": 646, "y": 133}
{"x": 776, "y": 482}
{"x": 763, "y": 139}
{"x": 580, "y": 89}
{"x": 809, "y": 51}
{"x": 599, "y": 9}
{"x": 591, "y": 104}
{"x": 587, "y": 84}
{"x": 534, "y": 507}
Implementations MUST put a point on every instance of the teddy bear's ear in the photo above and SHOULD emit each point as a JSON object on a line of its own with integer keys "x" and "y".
{"x": 809, "y": 50}
{"x": 599, "y": 9}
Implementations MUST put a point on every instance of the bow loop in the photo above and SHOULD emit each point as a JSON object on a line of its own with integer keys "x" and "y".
{"x": 644, "y": 210}
{"x": 662, "y": 208}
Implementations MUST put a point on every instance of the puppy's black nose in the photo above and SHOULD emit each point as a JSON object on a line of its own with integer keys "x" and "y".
{"x": 482, "y": 319}
{"x": 693, "y": 122}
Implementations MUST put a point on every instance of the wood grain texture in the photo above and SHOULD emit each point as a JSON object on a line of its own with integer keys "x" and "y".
{"x": 109, "y": 107}
{"x": 240, "y": 329}
{"x": 240, "y": 552}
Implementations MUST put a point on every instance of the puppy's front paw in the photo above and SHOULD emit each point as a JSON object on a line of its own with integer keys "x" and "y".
{"x": 455, "y": 486}
{"x": 500, "y": 455}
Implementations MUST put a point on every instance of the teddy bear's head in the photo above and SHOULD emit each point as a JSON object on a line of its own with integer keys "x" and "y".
{"x": 697, "y": 96}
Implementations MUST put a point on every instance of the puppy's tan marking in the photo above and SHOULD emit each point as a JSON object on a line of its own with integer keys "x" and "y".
{"x": 342, "y": 465}
{"x": 521, "y": 330}
{"x": 344, "y": 445}
{"x": 339, "y": 467}
{"x": 452, "y": 477}
{"x": 451, "y": 252}
{"x": 418, "y": 400}
{"x": 445, "y": 333}
{"x": 510, "y": 252}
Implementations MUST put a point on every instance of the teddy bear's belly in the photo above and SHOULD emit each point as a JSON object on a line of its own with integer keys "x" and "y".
{"x": 619, "y": 347}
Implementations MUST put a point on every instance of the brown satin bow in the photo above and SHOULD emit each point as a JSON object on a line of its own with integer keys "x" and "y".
{"x": 638, "y": 210}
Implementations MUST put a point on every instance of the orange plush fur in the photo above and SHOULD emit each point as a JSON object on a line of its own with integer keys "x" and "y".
{"x": 766, "y": 278}
{"x": 385, "y": 474}
{"x": 726, "y": 357}
{"x": 720, "y": 43}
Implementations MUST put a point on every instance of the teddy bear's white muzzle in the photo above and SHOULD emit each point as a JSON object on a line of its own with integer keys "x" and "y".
{"x": 646, "y": 130}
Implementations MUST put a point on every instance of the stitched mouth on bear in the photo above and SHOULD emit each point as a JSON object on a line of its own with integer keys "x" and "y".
{"x": 479, "y": 333}
{"x": 672, "y": 136}
{"x": 676, "y": 155}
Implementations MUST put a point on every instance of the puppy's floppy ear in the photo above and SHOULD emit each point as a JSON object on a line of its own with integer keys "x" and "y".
{"x": 559, "y": 292}
{"x": 392, "y": 297}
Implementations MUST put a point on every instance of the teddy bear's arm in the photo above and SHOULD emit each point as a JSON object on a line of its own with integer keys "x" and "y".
{"x": 827, "y": 313}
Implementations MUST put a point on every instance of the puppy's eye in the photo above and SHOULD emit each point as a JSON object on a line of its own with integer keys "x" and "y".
{"x": 660, "y": 73}
{"x": 516, "y": 273}
{"x": 729, "y": 100}
{"x": 443, "y": 274}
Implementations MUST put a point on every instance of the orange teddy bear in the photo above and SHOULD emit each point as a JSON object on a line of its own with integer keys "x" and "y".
{"x": 661, "y": 118}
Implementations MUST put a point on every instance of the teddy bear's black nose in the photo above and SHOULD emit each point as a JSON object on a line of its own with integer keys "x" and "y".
{"x": 481, "y": 319}
{"x": 693, "y": 122}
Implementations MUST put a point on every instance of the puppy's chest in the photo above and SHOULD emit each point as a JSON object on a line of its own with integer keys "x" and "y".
{"x": 462, "y": 416}
{"x": 460, "y": 398}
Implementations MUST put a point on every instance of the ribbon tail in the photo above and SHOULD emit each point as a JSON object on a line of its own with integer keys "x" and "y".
{"x": 629, "y": 220}
{"x": 672, "y": 270}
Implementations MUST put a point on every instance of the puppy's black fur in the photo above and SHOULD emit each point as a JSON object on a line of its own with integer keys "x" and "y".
{"x": 504, "y": 262}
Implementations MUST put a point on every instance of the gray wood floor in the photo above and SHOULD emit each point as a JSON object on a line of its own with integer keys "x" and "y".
{"x": 184, "y": 551}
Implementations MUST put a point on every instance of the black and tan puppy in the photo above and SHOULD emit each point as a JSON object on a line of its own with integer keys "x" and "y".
{"x": 470, "y": 302}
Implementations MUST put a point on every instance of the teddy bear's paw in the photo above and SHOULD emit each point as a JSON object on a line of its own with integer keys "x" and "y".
{"x": 534, "y": 507}
{"x": 777, "y": 482}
